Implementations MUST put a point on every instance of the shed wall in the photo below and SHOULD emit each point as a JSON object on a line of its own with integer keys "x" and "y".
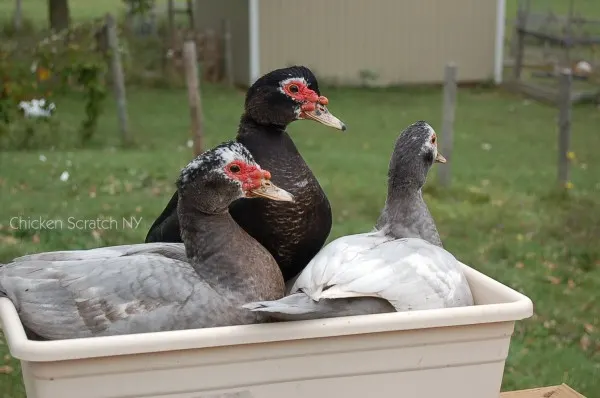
{"x": 399, "y": 41}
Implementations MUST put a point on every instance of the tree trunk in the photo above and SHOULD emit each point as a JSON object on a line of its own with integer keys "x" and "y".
{"x": 58, "y": 12}
{"x": 18, "y": 16}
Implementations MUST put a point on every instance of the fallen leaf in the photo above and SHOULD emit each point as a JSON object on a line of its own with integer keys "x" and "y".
{"x": 9, "y": 240}
{"x": 35, "y": 238}
{"x": 571, "y": 284}
{"x": 553, "y": 279}
{"x": 549, "y": 324}
{"x": 96, "y": 234}
{"x": 519, "y": 237}
{"x": 584, "y": 342}
{"x": 520, "y": 265}
{"x": 549, "y": 265}
{"x": 156, "y": 191}
{"x": 588, "y": 328}
{"x": 6, "y": 369}
{"x": 7, "y": 357}
{"x": 138, "y": 209}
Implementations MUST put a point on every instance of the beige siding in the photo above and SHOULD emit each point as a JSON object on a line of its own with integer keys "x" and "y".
{"x": 403, "y": 41}
{"x": 210, "y": 14}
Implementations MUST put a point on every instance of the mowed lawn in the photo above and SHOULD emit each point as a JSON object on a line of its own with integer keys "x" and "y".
{"x": 500, "y": 216}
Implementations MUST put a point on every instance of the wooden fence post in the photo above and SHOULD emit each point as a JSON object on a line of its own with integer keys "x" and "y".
{"x": 521, "y": 24}
{"x": 118, "y": 78}
{"x": 564, "y": 125}
{"x": 228, "y": 51}
{"x": 191, "y": 78}
{"x": 448, "y": 110}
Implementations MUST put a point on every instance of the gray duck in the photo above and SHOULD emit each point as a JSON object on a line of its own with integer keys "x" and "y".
{"x": 399, "y": 266}
{"x": 292, "y": 233}
{"x": 153, "y": 287}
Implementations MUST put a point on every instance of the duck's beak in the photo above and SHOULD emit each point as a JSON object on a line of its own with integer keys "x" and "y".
{"x": 321, "y": 114}
{"x": 269, "y": 190}
{"x": 439, "y": 158}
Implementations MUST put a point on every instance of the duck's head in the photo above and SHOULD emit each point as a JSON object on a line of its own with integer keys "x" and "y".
{"x": 416, "y": 150}
{"x": 219, "y": 176}
{"x": 288, "y": 94}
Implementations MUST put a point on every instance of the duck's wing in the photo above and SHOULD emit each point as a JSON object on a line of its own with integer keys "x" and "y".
{"x": 333, "y": 259}
{"x": 409, "y": 273}
{"x": 169, "y": 250}
{"x": 99, "y": 296}
{"x": 166, "y": 226}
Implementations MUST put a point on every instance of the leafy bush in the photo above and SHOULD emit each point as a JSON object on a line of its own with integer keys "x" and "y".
{"x": 67, "y": 61}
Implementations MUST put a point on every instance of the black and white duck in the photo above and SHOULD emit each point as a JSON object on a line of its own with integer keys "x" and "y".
{"x": 400, "y": 266}
{"x": 292, "y": 233}
{"x": 152, "y": 287}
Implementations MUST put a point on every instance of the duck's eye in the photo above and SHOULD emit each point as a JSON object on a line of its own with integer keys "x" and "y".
{"x": 234, "y": 168}
{"x": 293, "y": 89}
{"x": 433, "y": 139}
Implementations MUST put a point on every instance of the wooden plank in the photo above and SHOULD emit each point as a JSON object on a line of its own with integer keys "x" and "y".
{"x": 448, "y": 111}
{"x": 118, "y": 79}
{"x": 191, "y": 78}
{"x": 564, "y": 126}
{"x": 534, "y": 91}
{"x": 562, "y": 391}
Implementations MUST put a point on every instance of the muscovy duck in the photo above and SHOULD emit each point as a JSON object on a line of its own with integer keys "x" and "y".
{"x": 293, "y": 233}
{"x": 394, "y": 267}
{"x": 152, "y": 287}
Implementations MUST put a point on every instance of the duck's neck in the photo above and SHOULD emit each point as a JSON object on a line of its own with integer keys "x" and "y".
{"x": 214, "y": 243}
{"x": 274, "y": 150}
{"x": 249, "y": 125}
{"x": 406, "y": 215}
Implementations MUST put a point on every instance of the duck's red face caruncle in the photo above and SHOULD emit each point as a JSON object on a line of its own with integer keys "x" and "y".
{"x": 255, "y": 182}
{"x": 310, "y": 104}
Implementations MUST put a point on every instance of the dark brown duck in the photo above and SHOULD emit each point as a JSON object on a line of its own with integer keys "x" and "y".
{"x": 292, "y": 233}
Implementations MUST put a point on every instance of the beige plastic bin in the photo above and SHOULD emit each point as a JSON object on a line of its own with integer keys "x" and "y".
{"x": 450, "y": 353}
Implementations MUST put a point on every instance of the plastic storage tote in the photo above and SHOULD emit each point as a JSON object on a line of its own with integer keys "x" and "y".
{"x": 450, "y": 353}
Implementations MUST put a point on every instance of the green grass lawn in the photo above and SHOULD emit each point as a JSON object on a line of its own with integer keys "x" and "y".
{"x": 499, "y": 216}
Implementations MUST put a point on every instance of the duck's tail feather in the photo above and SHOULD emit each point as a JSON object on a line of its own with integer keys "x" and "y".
{"x": 294, "y": 307}
{"x": 299, "y": 306}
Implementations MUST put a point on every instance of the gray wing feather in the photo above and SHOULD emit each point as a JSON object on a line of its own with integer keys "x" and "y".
{"x": 99, "y": 296}
{"x": 169, "y": 250}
